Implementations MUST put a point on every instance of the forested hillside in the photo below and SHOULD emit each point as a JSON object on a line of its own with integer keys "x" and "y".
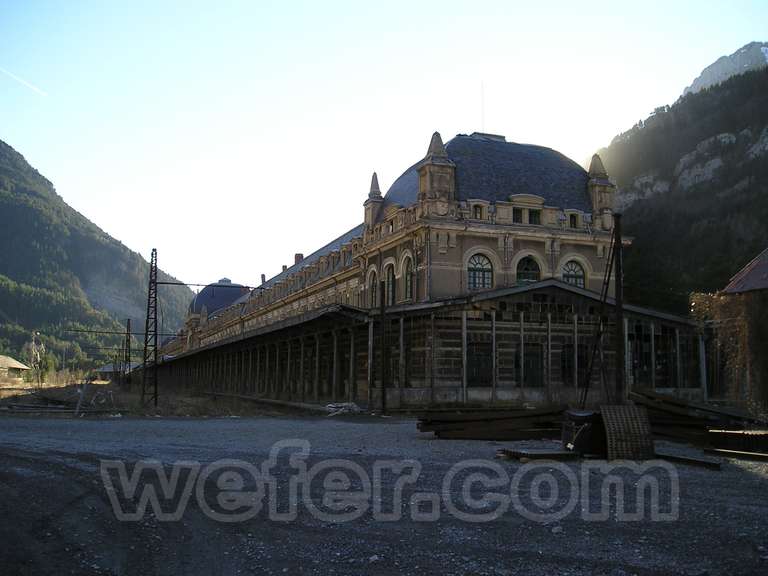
{"x": 60, "y": 271}
{"x": 693, "y": 182}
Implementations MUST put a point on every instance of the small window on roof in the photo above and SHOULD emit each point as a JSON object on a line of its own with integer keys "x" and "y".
{"x": 517, "y": 215}
{"x": 573, "y": 220}
{"x": 477, "y": 212}
{"x": 534, "y": 217}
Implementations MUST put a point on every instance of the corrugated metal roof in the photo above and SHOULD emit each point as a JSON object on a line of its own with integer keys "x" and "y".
{"x": 754, "y": 276}
{"x": 8, "y": 362}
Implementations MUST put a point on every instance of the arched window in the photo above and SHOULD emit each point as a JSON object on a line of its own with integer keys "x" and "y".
{"x": 573, "y": 273}
{"x": 408, "y": 278}
{"x": 389, "y": 279}
{"x": 372, "y": 285}
{"x": 528, "y": 271}
{"x": 480, "y": 272}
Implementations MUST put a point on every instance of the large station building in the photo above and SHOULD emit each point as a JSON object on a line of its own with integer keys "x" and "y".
{"x": 488, "y": 258}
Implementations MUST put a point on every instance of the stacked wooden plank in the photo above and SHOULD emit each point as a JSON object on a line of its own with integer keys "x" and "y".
{"x": 512, "y": 424}
{"x": 702, "y": 424}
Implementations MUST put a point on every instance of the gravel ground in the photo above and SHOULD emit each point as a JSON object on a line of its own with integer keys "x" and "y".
{"x": 57, "y": 518}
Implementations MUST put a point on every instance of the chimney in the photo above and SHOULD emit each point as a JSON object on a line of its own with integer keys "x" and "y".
{"x": 298, "y": 257}
{"x": 263, "y": 278}
{"x": 285, "y": 267}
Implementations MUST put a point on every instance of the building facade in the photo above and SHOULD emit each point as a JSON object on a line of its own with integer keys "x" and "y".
{"x": 487, "y": 258}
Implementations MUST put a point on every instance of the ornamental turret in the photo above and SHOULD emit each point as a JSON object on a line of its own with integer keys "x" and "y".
{"x": 601, "y": 193}
{"x": 373, "y": 203}
{"x": 437, "y": 182}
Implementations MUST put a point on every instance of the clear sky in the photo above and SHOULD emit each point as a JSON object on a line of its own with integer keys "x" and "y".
{"x": 231, "y": 135}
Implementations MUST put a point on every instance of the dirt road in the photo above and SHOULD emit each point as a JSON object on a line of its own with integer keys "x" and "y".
{"x": 57, "y": 517}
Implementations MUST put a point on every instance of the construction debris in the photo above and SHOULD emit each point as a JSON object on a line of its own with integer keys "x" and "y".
{"x": 530, "y": 454}
{"x": 720, "y": 430}
{"x": 517, "y": 424}
{"x": 628, "y": 432}
{"x": 738, "y": 454}
{"x": 343, "y": 408}
{"x": 743, "y": 440}
{"x": 692, "y": 461}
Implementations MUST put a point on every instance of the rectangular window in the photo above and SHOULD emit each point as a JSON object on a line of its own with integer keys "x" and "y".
{"x": 478, "y": 212}
{"x": 534, "y": 217}
{"x": 517, "y": 215}
{"x": 573, "y": 221}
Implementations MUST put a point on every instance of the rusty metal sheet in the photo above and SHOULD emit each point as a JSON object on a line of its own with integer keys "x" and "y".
{"x": 628, "y": 432}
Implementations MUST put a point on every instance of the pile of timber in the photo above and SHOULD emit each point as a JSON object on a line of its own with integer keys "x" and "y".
{"x": 703, "y": 424}
{"x": 512, "y": 424}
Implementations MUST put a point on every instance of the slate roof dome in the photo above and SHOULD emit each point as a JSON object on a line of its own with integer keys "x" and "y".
{"x": 490, "y": 168}
{"x": 216, "y": 296}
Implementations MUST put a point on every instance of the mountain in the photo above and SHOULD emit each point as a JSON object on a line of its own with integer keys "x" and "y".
{"x": 693, "y": 187}
{"x": 59, "y": 271}
{"x": 747, "y": 58}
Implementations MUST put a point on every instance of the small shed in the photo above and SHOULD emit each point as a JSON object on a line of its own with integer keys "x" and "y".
{"x": 11, "y": 369}
{"x": 112, "y": 372}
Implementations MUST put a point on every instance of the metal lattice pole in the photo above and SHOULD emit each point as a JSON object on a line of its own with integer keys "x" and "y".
{"x": 128, "y": 353}
{"x": 149, "y": 367}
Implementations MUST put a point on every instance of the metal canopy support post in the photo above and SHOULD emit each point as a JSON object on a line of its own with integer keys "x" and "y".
{"x": 401, "y": 355}
{"x": 703, "y": 366}
{"x": 653, "y": 356}
{"x": 678, "y": 361}
{"x": 464, "y": 356}
{"x": 576, "y": 350}
{"x": 494, "y": 361}
{"x": 351, "y": 380}
{"x": 288, "y": 370}
{"x": 522, "y": 351}
{"x": 316, "y": 380}
{"x": 371, "y": 380}
{"x": 383, "y": 346}
{"x": 549, "y": 356}
{"x": 619, "y": 325}
{"x": 302, "y": 381}
{"x": 335, "y": 367}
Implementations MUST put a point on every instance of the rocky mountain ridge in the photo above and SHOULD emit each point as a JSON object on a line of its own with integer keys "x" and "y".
{"x": 693, "y": 187}
{"x": 752, "y": 56}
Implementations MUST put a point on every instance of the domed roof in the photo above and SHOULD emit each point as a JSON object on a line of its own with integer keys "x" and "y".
{"x": 217, "y": 296}
{"x": 490, "y": 168}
